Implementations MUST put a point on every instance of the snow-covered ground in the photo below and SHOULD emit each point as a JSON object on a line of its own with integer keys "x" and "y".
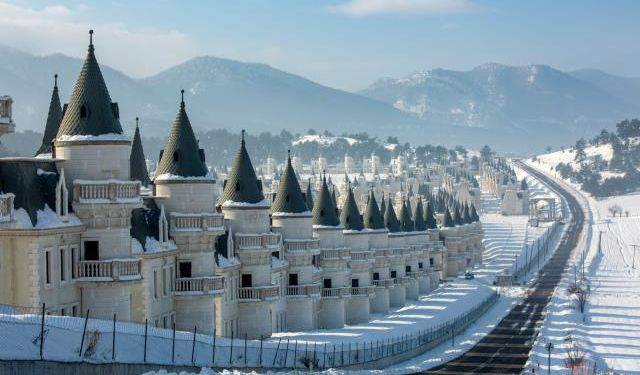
{"x": 609, "y": 330}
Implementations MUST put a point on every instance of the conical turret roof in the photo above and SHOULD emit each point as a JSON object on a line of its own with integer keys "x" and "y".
{"x": 309, "y": 196}
{"x": 418, "y": 217}
{"x": 137, "y": 161}
{"x": 181, "y": 155}
{"x": 289, "y": 198}
{"x": 457, "y": 216}
{"x": 405, "y": 217}
{"x": 242, "y": 185}
{"x": 390, "y": 218}
{"x": 466, "y": 216}
{"x": 90, "y": 110}
{"x": 448, "y": 220}
{"x": 429, "y": 216}
{"x": 372, "y": 217}
{"x": 54, "y": 117}
{"x": 474, "y": 213}
{"x": 350, "y": 215}
{"x": 324, "y": 212}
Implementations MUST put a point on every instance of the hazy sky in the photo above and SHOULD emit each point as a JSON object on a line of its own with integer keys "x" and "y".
{"x": 346, "y": 44}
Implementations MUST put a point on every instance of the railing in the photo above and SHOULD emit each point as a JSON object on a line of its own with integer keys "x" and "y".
{"x": 336, "y": 292}
{"x": 303, "y": 290}
{"x": 301, "y": 245}
{"x": 109, "y": 270}
{"x": 249, "y": 241}
{"x": 110, "y": 191}
{"x": 196, "y": 222}
{"x": 340, "y": 253}
{"x": 403, "y": 280}
{"x": 6, "y": 207}
{"x": 362, "y": 255}
{"x": 384, "y": 283}
{"x": 362, "y": 290}
{"x": 261, "y": 293}
{"x": 414, "y": 274}
{"x": 199, "y": 285}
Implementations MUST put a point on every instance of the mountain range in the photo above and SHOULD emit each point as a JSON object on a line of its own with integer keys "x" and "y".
{"x": 496, "y": 104}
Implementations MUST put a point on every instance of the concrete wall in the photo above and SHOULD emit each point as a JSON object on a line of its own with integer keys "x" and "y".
{"x": 187, "y": 197}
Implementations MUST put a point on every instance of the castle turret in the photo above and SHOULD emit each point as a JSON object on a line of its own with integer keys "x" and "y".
{"x": 137, "y": 162}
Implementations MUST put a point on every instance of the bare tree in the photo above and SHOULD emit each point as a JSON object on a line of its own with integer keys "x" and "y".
{"x": 575, "y": 357}
{"x": 615, "y": 209}
{"x": 582, "y": 297}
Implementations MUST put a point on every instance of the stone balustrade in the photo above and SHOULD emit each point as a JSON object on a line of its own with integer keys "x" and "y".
{"x": 259, "y": 293}
{"x": 384, "y": 283}
{"x": 254, "y": 241}
{"x": 199, "y": 285}
{"x": 196, "y": 222}
{"x": 110, "y": 191}
{"x": 301, "y": 245}
{"x": 362, "y": 290}
{"x": 339, "y": 253}
{"x": 306, "y": 290}
{"x": 362, "y": 256}
{"x": 109, "y": 270}
{"x": 336, "y": 292}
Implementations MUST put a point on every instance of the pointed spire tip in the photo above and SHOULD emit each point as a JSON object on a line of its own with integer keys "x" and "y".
{"x": 91, "y": 37}
{"x": 55, "y": 80}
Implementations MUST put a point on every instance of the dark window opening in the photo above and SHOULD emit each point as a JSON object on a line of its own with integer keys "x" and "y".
{"x": 355, "y": 283}
{"x": 246, "y": 281}
{"x": 237, "y": 186}
{"x": 185, "y": 269}
{"x": 275, "y": 254}
{"x": 321, "y": 212}
{"x": 326, "y": 283}
{"x": 431, "y": 261}
{"x": 394, "y": 274}
{"x": 91, "y": 250}
{"x": 376, "y": 276}
{"x": 407, "y": 268}
{"x": 287, "y": 198}
{"x": 293, "y": 279}
{"x": 420, "y": 265}
{"x": 83, "y": 112}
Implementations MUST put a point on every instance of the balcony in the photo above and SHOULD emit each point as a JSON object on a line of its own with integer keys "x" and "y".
{"x": 110, "y": 191}
{"x": 201, "y": 222}
{"x": 366, "y": 256}
{"x": 109, "y": 270}
{"x": 386, "y": 283}
{"x": 6, "y": 207}
{"x": 307, "y": 290}
{"x": 257, "y": 241}
{"x": 336, "y": 292}
{"x": 259, "y": 293}
{"x": 187, "y": 286}
{"x": 302, "y": 245}
{"x": 340, "y": 253}
{"x": 416, "y": 274}
{"x": 365, "y": 291}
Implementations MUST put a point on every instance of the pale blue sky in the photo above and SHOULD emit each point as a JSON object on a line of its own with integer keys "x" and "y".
{"x": 341, "y": 43}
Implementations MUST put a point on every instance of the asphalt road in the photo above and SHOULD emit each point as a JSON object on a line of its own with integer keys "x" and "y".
{"x": 505, "y": 350}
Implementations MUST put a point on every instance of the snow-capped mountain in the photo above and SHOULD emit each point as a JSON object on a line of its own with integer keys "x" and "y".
{"x": 507, "y": 97}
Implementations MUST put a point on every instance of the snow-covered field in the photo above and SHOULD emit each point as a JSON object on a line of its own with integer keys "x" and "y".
{"x": 608, "y": 332}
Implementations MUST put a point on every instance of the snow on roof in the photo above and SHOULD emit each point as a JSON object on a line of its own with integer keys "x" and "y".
{"x": 93, "y": 138}
{"x": 174, "y": 177}
{"x": 47, "y": 219}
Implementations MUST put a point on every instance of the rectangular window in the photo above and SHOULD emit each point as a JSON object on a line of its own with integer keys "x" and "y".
{"x": 155, "y": 283}
{"x": 185, "y": 269}
{"x": 355, "y": 283}
{"x": 394, "y": 274}
{"x": 376, "y": 276}
{"x": 293, "y": 279}
{"x": 63, "y": 265}
{"x": 47, "y": 266}
{"x": 74, "y": 310}
{"x": 246, "y": 281}
{"x": 420, "y": 265}
{"x": 62, "y": 312}
{"x": 431, "y": 262}
{"x": 74, "y": 262}
{"x": 326, "y": 283}
{"x": 91, "y": 250}
{"x": 407, "y": 269}
{"x": 164, "y": 282}
{"x": 164, "y": 321}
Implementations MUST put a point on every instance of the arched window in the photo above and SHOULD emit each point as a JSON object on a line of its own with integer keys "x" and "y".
{"x": 84, "y": 112}
{"x": 176, "y": 155}
{"x": 237, "y": 186}
{"x": 287, "y": 198}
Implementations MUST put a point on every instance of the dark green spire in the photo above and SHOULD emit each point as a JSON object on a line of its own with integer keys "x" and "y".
{"x": 242, "y": 185}
{"x": 181, "y": 155}
{"x": 448, "y": 220}
{"x": 137, "y": 163}
{"x": 309, "y": 196}
{"x": 324, "y": 211}
{"x": 289, "y": 197}
{"x": 90, "y": 110}
{"x": 457, "y": 216}
{"x": 418, "y": 217}
{"x": 466, "y": 216}
{"x": 390, "y": 218}
{"x": 333, "y": 198}
{"x": 405, "y": 217}
{"x": 53, "y": 120}
{"x": 383, "y": 207}
{"x": 474, "y": 213}
{"x": 373, "y": 218}
{"x": 429, "y": 216}
{"x": 350, "y": 215}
